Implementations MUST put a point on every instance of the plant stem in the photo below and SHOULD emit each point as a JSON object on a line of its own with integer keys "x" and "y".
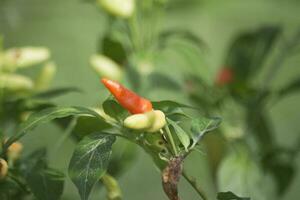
{"x": 193, "y": 183}
{"x": 170, "y": 138}
{"x": 66, "y": 134}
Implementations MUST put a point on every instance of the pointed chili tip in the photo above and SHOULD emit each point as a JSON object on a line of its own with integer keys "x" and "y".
{"x": 104, "y": 80}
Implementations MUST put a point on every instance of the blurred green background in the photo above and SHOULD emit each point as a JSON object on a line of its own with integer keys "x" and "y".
{"x": 71, "y": 29}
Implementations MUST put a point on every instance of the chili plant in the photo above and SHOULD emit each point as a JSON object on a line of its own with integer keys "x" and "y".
{"x": 237, "y": 95}
{"x": 136, "y": 41}
{"x": 162, "y": 129}
{"x": 21, "y": 95}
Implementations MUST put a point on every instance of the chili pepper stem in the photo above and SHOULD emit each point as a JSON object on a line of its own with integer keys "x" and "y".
{"x": 170, "y": 138}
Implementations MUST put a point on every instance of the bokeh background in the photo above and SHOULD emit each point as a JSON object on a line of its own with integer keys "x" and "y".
{"x": 71, "y": 30}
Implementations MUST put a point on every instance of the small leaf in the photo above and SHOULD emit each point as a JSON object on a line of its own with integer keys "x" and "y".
{"x": 89, "y": 161}
{"x": 181, "y": 134}
{"x": 229, "y": 196}
{"x": 200, "y": 126}
{"x": 46, "y": 184}
{"x": 114, "y": 110}
{"x": 46, "y": 116}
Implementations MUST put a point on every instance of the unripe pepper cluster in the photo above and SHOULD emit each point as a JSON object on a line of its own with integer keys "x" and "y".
{"x": 13, "y": 154}
{"x": 144, "y": 117}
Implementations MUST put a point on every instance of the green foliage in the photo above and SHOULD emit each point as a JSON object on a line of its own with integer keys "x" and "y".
{"x": 181, "y": 134}
{"x": 88, "y": 124}
{"x": 229, "y": 196}
{"x": 200, "y": 126}
{"x": 113, "y": 49}
{"x": 46, "y": 116}
{"x": 114, "y": 110}
{"x": 89, "y": 161}
{"x": 280, "y": 164}
{"x": 248, "y": 52}
{"x": 171, "y": 107}
{"x": 240, "y": 173}
{"x": 46, "y": 183}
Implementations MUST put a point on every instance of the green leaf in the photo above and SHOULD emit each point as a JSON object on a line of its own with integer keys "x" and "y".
{"x": 241, "y": 173}
{"x": 170, "y": 107}
{"x": 36, "y": 158}
{"x": 47, "y": 115}
{"x": 248, "y": 52}
{"x": 259, "y": 125}
{"x": 123, "y": 157}
{"x": 113, "y": 49}
{"x": 280, "y": 163}
{"x": 114, "y": 110}
{"x": 56, "y": 92}
{"x": 200, "y": 126}
{"x": 46, "y": 184}
{"x": 230, "y": 196}
{"x": 181, "y": 134}
{"x": 161, "y": 81}
{"x": 88, "y": 124}
{"x": 89, "y": 161}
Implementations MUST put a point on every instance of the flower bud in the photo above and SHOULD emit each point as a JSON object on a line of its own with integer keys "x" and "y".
{"x": 159, "y": 121}
{"x": 45, "y": 76}
{"x": 3, "y": 168}
{"x": 105, "y": 67}
{"x": 120, "y": 8}
{"x": 24, "y": 57}
{"x": 14, "y": 151}
{"x": 14, "y": 82}
{"x": 140, "y": 121}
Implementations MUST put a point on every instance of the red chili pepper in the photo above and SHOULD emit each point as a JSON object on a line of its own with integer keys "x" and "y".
{"x": 128, "y": 99}
{"x": 224, "y": 76}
